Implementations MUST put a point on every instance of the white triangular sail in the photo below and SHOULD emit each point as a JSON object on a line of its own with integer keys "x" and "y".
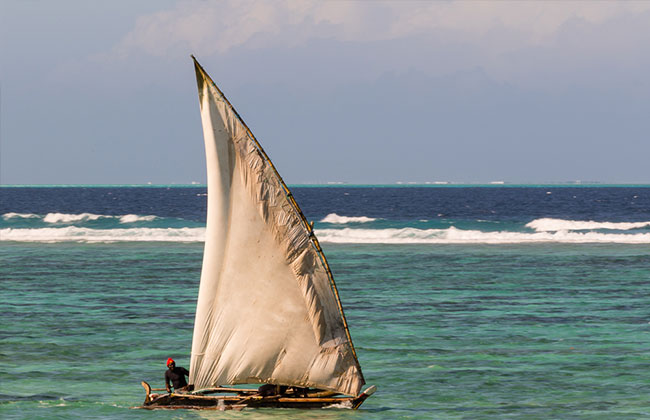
{"x": 268, "y": 310}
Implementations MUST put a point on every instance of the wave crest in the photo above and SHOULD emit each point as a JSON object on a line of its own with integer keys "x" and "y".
{"x": 70, "y": 218}
{"x": 453, "y": 235}
{"x": 8, "y": 216}
{"x": 133, "y": 218}
{"x": 77, "y": 234}
{"x": 554, "y": 225}
{"x": 334, "y": 218}
{"x": 54, "y": 218}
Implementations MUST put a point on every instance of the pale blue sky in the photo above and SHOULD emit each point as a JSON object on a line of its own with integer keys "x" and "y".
{"x": 360, "y": 92}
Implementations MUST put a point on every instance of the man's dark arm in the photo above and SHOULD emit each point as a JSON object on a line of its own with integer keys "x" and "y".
{"x": 185, "y": 372}
{"x": 169, "y": 389}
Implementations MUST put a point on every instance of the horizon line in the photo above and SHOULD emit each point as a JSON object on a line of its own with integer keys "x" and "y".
{"x": 346, "y": 184}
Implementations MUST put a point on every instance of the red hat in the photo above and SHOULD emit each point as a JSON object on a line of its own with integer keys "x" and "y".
{"x": 170, "y": 361}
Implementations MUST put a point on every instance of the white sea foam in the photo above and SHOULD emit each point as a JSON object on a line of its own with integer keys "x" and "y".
{"x": 554, "y": 225}
{"x": 132, "y": 218}
{"x": 345, "y": 404}
{"x": 453, "y": 235}
{"x": 70, "y": 218}
{"x": 77, "y": 234}
{"x": 54, "y": 218}
{"x": 8, "y": 216}
{"x": 336, "y": 219}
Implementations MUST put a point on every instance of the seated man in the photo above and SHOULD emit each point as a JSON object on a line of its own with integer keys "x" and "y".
{"x": 176, "y": 375}
{"x": 279, "y": 390}
{"x": 271, "y": 389}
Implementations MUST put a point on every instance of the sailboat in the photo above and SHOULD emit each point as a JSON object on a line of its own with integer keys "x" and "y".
{"x": 268, "y": 310}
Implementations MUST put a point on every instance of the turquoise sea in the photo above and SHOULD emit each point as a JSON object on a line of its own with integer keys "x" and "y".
{"x": 463, "y": 303}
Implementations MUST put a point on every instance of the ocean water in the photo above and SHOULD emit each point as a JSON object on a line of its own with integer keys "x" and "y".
{"x": 463, "y": 302}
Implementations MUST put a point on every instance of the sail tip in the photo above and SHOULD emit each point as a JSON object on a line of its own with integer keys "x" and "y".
{"x": 198, "y": 67}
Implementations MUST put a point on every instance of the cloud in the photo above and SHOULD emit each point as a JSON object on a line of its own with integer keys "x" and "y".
{"x": 538, "y": 45}
{"x": 217, "y": 27}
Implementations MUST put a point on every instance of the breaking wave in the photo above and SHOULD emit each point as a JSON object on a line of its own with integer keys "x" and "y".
{"x": 71, "y": 218}
{"x": 450, "y": 235}
{"x": 64, "y": 218}
{"x": 453, "y": 235}
{"x": 133, "y": 218}
{"x": 554, "y": 225}
{"x": 61, "y": 227}
{"x": 334, "y": 218}
{"x": 78, "y": 234}
{"x": 8, "y": 216}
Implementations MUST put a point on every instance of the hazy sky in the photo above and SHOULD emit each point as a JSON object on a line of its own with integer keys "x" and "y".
{"x": 361, "y": 92}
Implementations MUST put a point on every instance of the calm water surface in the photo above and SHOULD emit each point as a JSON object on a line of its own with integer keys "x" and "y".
{"x": 548, "y": 330}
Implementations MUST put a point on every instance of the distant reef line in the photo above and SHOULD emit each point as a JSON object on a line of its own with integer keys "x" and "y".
{"x": 351, "y": 185}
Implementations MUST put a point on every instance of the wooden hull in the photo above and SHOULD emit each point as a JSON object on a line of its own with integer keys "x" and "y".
{"x": 246, "y": 400}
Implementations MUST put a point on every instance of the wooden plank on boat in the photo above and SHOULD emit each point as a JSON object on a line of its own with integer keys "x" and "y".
{"x": 279, "y": 398}
{"x": 320, "y": 394}
{"x": 234, "y": 407}
{"x": 226, "y": 389}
